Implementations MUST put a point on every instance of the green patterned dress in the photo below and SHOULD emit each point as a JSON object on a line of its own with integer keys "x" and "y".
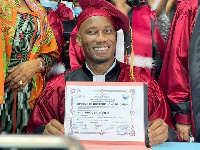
{"x": 28, "y": 30}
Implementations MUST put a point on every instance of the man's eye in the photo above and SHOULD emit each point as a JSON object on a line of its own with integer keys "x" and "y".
{"x": 108, "y": 31}
{"x": 91, "y": 32}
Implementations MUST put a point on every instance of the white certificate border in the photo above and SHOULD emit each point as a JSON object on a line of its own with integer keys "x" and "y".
{"x": 76, "y": 90}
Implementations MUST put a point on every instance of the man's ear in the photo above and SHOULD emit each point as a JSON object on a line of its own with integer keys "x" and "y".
{"x": 78, "y": 40}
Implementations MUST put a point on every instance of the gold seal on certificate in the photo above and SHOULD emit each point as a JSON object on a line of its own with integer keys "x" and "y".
{"x": 106, "y": 111}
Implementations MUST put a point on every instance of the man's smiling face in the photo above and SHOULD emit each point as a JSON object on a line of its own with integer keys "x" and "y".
{"x": 97, "y": 36}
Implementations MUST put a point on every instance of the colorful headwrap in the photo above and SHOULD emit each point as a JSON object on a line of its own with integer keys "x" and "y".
{"x": 102, "y": 8}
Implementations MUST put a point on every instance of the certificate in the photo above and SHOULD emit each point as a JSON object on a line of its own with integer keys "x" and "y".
{"x": 106, "y": 111}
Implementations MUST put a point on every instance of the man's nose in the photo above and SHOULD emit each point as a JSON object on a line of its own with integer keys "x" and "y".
{"x": 101, "y": 37}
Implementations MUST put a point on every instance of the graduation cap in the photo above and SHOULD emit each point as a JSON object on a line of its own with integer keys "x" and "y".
{"x": 103, "y": 8}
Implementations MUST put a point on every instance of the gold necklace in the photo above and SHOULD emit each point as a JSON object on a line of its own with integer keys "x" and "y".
{"x": 17, "y": 2}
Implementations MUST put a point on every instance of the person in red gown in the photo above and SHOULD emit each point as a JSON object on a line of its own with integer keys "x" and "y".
{"x": 57, "y": 12}
{"x": 179, "y": 76}
{"x": 145, "y": 38}
{"x": 97, "y": 36}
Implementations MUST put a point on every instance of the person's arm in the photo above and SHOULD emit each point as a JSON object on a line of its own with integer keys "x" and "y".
{"x": 170, "y": 6}
{"x": 160, "y": 7}
{"x": 49, "y": 106}
{"x": 47, "y": 61}
{"x": 174, "y": 77}
{"x": 20, "y": 75}
{"x": 161, "y": 126}
{"x": 48, "y": 49}
{"x": 122, "y": 6}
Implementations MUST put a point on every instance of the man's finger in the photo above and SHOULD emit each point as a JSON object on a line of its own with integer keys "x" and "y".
{"x": 181, "y": 135}
{"x": 186, "y": 137}
{"x": 54, "y": 131}
{"x": 158, "y": 131}
{"x": 155, "y": 125}
{"x": 162, "y": 137}
{"x": 150, "y": 123}
{"x": 58, "y": 126}
{"x": 47, "y": 133}
{"x": 154, "y": 143}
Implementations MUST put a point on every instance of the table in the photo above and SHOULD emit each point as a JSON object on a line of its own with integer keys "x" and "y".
{"x": 177, "y": 146}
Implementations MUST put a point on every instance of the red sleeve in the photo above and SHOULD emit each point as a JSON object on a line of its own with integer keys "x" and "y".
{"x": 76, "y": 53}
{"x": 50, "y": 104}
{"x": 158, "y": 106}
{"x": 57, "y": 27}
{"x": 174, "y": 78}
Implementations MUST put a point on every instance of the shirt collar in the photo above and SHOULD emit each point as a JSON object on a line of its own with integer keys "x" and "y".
{"x": 111, "y": 67}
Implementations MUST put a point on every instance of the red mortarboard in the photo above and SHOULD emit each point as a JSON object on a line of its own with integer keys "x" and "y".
{"x": 102, "y": 8}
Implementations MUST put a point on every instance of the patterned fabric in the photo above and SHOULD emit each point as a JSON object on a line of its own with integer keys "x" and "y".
{"x": 28, "y": 29}
{"x": 23, "y": 111}
{"x": 49, "y": 60}
{"x": 44, "y": 44}
{"x": 164, "y": 25}
{"x": 26, "y": 34}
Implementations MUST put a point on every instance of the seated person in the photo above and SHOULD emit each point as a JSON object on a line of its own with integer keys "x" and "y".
{"x": 97, "y": 36}
{"x": 145, "y": 38}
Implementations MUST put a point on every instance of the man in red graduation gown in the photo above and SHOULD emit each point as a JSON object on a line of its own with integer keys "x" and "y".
{"x": 97, "y": 26}
{"x": 145, "y": 38}
{"x": 180, "y": 72}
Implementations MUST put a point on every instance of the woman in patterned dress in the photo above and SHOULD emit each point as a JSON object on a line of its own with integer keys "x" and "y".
{"x": 27, "y": 51}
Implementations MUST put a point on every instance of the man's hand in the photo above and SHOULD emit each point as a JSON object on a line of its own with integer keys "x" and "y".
{"x": 21, "y": 75}
{"x": 54, "y": 127}
{"x": 183, "y": 131}
{"x": 158, "y": 132}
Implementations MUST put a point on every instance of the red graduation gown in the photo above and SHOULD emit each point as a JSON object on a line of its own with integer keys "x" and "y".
{"x": 55, "y": 19}
{"x": 175, "y": 78}
{"x": 51, "y": 105}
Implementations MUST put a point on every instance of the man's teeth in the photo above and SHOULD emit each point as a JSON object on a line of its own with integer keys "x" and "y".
{"x": 100, "y": 49}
